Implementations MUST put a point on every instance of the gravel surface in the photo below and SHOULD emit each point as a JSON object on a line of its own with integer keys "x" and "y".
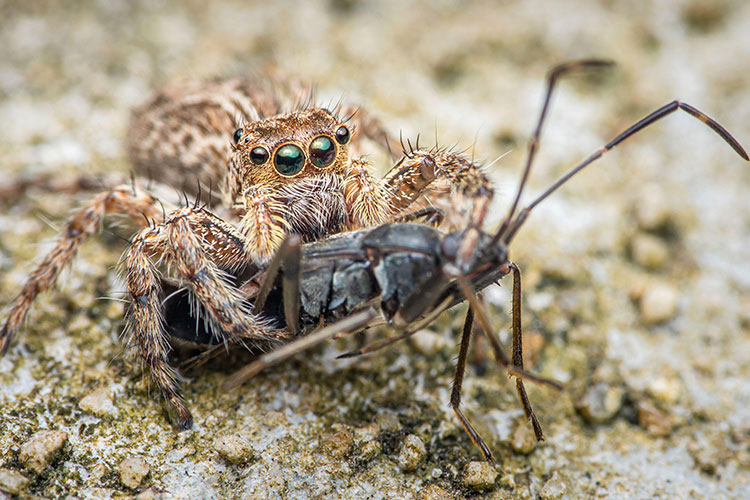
{"x": 636, "y": 275}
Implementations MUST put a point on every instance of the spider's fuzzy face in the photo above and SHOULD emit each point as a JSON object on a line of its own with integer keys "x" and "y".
{"x": 301, "y": 159}
{"x": 286, "y": 148}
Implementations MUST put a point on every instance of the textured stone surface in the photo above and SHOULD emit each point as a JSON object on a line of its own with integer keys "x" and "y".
{"x": 472, "y": 74}
{"x": 133, "y": 470}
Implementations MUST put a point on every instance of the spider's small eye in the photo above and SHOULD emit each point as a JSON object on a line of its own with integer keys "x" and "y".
{"x": 342, "y": 135}
{"x": 322, "y": 151}
{"x": 259, "y": 155}
{"x": 289, "y": 159}
{"x": 238, "y": 134}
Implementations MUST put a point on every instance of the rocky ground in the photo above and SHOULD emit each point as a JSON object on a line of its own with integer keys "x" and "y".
{"x": 636, "y": 275}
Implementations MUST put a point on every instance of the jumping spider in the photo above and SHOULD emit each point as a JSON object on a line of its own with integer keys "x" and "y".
{"x": 279, "y": 173}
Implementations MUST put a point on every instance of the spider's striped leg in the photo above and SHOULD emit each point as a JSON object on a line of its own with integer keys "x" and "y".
{"x": 141, "y": 207}
{"x": 199, "y": 245}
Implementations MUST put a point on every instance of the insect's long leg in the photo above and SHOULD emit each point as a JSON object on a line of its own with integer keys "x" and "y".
{"x": 458, "y": 380}
{"x": 500, "y": 356}
{"x": 635, "y": 128}
{"x": 552, "y": 77}
{"x": 518, "y": 352}
{"x": 291, "y": 282}
{"x": 413, "y": 328}
{"x": 353, "y": 322}
{"x": 282, "y": 254}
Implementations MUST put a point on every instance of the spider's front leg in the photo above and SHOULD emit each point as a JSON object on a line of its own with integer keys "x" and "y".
{"x": 414, "y": 173}
{"x": 199, "y": 245}
{"x": 367, "y": 198}
{"x": 140, "y": 206}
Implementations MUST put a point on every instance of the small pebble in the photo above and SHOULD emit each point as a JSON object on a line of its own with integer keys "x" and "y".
{"x": 600, "y": 403}
{"x": 13, "y": 481}
{"x": 132, "y": 471}
{"x": 41, "y": 449}
{"x": 556, "y": 487}
{"x": 339, "y": 444}
{"x": 233, "y": 448}
{"x": 434, "y": 492}
{"x": 666, "y": 389}
{"x": 658, "y": 303}
{"x": 99, "y": 403}
{"x": 479, "y": 476}
{"x": 413, "y": 453}
{"x": 652, "y": 209}
{"x": 649, "y": 251}
{"x": 654, "y": 421}
{"x": 523, "y": 440}
{"x": 370, "y": 450}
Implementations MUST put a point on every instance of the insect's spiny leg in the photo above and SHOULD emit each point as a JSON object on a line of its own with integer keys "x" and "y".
{"x": 518, "y": 352}
{"x": 500, "y": 357}
{"x": 552, "y": 78}
{"x": 85, "y": 222}
{"x": 272, "y": 270}
{"x": 291, "y": 284}
{"x": 637, "y": 127}
{"x": 353, "y": 322}
{"x": 458, "y": 380}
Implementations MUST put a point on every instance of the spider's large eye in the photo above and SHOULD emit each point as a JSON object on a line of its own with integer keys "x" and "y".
{"x": 289, "y": 159}
{"x": 342, "y": 135}
{"x": 322, "y": 151}
{"x": 238, "y": 134}
{"x": 259, "y": 155}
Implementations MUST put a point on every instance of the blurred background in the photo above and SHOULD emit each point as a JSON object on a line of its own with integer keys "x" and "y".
{"x": 637, "y": 274}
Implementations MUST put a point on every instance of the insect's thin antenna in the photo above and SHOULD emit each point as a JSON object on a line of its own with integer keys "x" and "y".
{"x": 416, "y": 143}
{"x": 637, "y": 127}
{"x": 552, "y": 77}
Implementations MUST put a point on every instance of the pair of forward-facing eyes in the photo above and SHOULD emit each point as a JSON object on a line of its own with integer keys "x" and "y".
{"x": 289, "y": 159}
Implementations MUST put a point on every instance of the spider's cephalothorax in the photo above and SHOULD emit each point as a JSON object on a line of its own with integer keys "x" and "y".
{"x": 292, "y": 173}
{"x": 280, "y": 173}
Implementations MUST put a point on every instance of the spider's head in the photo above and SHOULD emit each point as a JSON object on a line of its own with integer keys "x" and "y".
{"x": 300, "y": 160}
{"x": 288, "y": 148}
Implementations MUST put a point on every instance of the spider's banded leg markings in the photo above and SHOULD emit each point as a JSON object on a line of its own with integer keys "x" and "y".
{"x": 367, "y": 198}
{"x": 184, "y": 241}
{"x": 264, "y": 225}
{"x": 140, "y": 206}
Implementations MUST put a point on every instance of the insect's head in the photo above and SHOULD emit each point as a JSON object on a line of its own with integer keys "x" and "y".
{"x": 281, "y": 149}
